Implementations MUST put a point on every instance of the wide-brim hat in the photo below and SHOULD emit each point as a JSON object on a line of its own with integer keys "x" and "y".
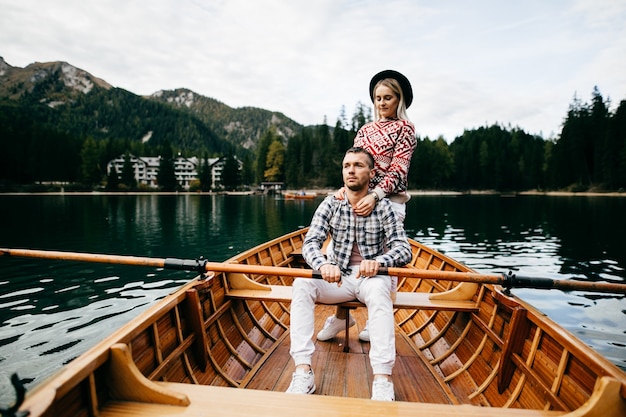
{"x": 405, "y": 85}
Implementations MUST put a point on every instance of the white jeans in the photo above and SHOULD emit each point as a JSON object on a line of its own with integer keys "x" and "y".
{"x": 374, "y": 292}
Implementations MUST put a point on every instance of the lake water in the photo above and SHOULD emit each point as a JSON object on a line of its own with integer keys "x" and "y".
{"x": 52, "y": 311}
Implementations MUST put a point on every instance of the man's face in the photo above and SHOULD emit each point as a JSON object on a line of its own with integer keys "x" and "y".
{"x": 356, "y": 171}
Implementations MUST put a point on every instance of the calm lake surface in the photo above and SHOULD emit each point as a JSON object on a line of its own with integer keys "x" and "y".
{"x": 52, "y": 311}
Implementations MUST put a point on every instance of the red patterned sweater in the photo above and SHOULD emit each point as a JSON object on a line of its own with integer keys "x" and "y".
{"x": 391, "y": 142}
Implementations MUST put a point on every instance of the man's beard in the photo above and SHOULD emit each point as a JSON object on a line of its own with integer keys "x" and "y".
{"x": 355, "y": 187}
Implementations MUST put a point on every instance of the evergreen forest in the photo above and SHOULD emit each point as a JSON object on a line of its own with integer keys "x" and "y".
{"x": 40, "y": 144}
{"x": 588, "y": 155}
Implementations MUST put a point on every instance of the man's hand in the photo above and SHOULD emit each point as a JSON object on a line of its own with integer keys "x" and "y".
{"x": 330, "y": 273}
{"x": 368, "y": 268}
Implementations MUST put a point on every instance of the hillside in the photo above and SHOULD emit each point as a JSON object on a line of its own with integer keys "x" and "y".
{"x": 242, "y": 126}
{"x": 70, "y": 100}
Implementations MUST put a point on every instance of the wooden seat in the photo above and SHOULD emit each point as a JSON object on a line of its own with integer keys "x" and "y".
{"x": 407, "y": 300}
{"x": 132, "y": 394}
{"x": 210, "y": 401}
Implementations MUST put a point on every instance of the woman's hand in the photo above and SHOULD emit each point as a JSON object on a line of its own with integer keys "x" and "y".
{"x": 365, "y": 206}
{"x": 340, "y": 194}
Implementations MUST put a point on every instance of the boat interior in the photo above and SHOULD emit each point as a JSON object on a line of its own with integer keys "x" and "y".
{"x": 220, "y": 346}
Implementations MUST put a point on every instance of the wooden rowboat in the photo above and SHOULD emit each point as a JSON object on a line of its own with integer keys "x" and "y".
{"x": 299, "y": 196}
{"x": 220, "y": 346}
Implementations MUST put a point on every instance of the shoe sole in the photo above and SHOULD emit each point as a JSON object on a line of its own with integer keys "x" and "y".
{"x": 310, "y": 391}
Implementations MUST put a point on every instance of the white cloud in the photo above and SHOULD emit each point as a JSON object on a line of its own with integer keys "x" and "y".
{"x": 469, "y": 64}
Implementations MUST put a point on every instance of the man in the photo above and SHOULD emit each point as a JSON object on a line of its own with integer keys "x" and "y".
{"x": 349, "y": 271}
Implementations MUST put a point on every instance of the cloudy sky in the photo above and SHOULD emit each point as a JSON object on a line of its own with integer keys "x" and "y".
{"x": 471, "y": 64}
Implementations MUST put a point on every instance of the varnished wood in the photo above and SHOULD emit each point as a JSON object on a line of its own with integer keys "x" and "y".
{"x": 194, "y": 312}
{"x": 276, "y": 268}
{"x": 214, "y": 401}
{"x": 128, "y": 384}
{"x": 421, "y": 301}
{"x": 518, "y": 333}
{"x": 451, "y": 341}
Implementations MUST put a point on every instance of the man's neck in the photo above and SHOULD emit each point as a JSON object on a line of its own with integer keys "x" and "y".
{"x": 355, "y": 196}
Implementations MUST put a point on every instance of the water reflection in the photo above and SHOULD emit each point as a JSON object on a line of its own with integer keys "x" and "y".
{"x": 51, "y": 311}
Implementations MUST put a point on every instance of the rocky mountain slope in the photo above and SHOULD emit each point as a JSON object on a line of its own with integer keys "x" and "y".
{"x": 85, "y": 105}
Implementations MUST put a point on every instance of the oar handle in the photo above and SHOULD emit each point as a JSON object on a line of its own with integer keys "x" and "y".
{"x": 520, "y": 281}
{"x": 509, "y": 280}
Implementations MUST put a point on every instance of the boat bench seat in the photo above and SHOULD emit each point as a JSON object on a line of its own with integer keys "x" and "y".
{"x": 132, "y": 394}
{"x": 408, "y": 300}
{"x": 210, "y": 401}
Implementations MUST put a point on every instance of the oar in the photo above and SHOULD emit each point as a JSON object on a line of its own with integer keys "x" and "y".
{"x": 509, "y": 280}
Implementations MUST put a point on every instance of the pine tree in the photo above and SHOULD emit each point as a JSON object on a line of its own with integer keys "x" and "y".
{"x": 90, "y": 169}
{"x": 205, "y": 175}
{"x": 112, "y": 179}
{"x": 128, "y": 172}
{"x": 231, "y": 178}
{"x": 166, "y": 178}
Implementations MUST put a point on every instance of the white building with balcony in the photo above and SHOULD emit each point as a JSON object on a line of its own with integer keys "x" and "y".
{"x": 146, "y": 169}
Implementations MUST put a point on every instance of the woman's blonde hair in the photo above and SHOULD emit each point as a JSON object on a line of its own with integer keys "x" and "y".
{"x": 394, "y": 85}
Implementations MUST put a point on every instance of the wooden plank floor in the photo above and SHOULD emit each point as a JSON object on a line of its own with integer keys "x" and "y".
{"x": 342, "y": 374}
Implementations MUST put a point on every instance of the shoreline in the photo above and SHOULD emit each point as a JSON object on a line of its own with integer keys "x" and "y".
{"x": 520, "y": 193}
{"x": 324, "y": 192}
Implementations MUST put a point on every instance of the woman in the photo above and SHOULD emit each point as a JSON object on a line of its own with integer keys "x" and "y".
{"x": 391, "y": 140}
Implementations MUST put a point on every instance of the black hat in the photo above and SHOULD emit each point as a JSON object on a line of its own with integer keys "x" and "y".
{"x": 407, "y": 91}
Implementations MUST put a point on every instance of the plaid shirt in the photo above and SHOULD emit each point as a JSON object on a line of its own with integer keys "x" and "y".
{"x": 371, "y": 233}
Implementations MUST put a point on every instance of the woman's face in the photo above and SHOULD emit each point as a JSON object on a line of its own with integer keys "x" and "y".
{"x": 386, "y": 102}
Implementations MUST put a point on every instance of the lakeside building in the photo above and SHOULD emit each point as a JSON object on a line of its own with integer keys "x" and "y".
{"x": 146, "y": 169}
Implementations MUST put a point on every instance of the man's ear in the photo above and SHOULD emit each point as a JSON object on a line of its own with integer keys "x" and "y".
{"x": 372, "y": 173}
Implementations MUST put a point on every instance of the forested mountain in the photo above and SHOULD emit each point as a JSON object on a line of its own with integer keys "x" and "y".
{"x": 76, "y": 103}
{"x": 59, "y": 123}
{"x": 49, "y": 110}
{"x": 242, "y": 126}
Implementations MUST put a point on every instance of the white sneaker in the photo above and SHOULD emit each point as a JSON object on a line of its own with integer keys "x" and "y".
{"x": 364, "y": 335}
{"x": 302, "y": 382}
{"x": 382, "y": 390}
{"x": 332, "y": 327}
